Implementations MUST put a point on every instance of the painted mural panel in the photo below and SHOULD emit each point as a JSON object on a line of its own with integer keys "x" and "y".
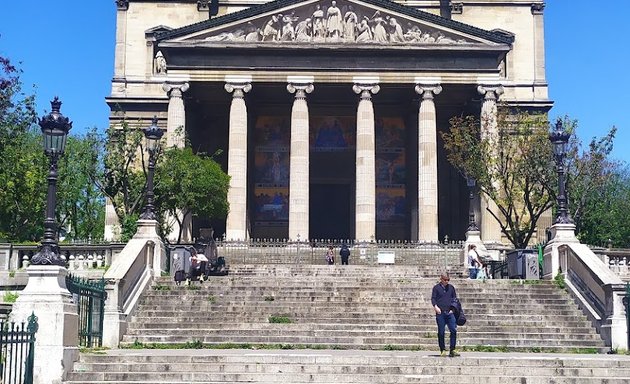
{"x": 391, "y": 170}
{"x": 271, "y": 170}
{"x": 332, "y": 133}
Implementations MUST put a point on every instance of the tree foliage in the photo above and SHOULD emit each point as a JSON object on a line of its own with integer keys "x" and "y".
{"x": 24, "y": 168}
{"x": 512, "y": 167}
{"x": 598, "y": 190}
{"x": 123, "y": 177}
{"x": 81, "y": 205}
{"x": 189, "y": 184}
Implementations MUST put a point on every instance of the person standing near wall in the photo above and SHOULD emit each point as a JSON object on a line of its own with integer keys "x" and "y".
{"x": 344, "y": 252}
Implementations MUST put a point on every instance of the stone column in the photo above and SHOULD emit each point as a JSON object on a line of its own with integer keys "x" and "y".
{"x": 176, "y": 123}
{"x": 121, "y": 37}
{"x": 175, "y": 137}
{"x": 365, "y": 219}
{"x": 427, "y": 164}
{"x": 299, "y": 160}
{"x": 57, "y": 339}
{"x": 236, "y": 225}
{"x": 490, "y": 228}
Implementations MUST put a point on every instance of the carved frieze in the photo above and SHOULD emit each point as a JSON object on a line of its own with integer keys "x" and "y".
{"x": 203, "y": 5}
{"x": 334, "y": 22}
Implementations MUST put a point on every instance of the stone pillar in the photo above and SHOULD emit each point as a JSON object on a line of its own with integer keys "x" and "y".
{"x": 490, "y": 228}
{"x": 299, "y": 160}
{"x": 176, "y": 124}
{"x": 121, "y": 37}
{"x": 236, "y": 225}
{"x": 175, "y": 137}
{"x": 365, "y": 219}
{"x": 57, "y": 339}
{"x": 427, "y": 164}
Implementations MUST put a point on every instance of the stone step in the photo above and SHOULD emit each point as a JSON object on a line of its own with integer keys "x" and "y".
{"x": 210, "y": 366}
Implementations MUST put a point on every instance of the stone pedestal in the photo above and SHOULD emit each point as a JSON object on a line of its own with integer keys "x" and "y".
{"x": 57, "y": 339}
{"x": 473, "y": 237}
{"x": 560, "y": 234}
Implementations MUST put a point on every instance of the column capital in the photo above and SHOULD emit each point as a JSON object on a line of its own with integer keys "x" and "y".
{"x": 175, "y": 89}
{"x": 366, "y": 90}
{"x": 300, "y": 89}
{"x": 122, "y": 5}
{"x": 538, "y": 8}
{"x": 238, "y": 89}
{"x": 428, "y": 90}
{"x": 490, "y": 91}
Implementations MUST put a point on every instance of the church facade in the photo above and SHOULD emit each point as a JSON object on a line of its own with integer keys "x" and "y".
{"x": 327, "y": 113}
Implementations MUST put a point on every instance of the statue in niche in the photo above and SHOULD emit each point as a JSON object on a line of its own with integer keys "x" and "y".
{"x": 350, "y": 24}
{"x": 319, "y": 28}
{"x": 364, "y": 32}
{"x": 160, "y": 63}
{"x": 380, "y": 34}
{"x": 271, "y": 31}
{"x": 396, "y": 32}
{"x": 304, "y": 30}
{"x": 334, "y": 22}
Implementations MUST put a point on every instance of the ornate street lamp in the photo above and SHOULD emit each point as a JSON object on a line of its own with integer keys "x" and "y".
{"x": 560, "y": 138}
{"x": 153, "y": 134}
{"x": 471, "y": 183}
{"x": 55, "y": 128}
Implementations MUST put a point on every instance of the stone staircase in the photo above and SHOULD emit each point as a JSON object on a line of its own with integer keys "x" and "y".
{"x": 355, "y": 324}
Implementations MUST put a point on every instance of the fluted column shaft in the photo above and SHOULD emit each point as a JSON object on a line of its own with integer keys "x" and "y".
{"x": 176, "y": 123}
{"x": 236, "y": 224}
{"x": 365, "y": 211}
{"x": 490, "y": 228}
{"x": 299, "y": 162}
{"x": 427, "y": 164}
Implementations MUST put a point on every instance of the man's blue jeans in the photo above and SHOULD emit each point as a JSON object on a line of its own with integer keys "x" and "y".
{"x": 443, "y": 320}
{"x": 472, "y": 273}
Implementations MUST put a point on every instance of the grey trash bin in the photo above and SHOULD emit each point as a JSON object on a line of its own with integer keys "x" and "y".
{"x": 523, "y": 264}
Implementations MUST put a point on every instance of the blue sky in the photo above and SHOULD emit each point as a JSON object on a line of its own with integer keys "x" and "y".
{"x": 66, "y": 48}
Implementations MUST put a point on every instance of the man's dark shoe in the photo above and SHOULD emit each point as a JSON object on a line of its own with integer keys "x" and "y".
{"x": 454, "y": 353}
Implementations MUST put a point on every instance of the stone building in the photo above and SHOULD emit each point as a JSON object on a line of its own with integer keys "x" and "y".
{"x": 328, "y": 112}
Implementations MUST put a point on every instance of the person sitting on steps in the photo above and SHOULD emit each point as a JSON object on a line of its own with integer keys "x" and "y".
{"x": 198, "y": 265}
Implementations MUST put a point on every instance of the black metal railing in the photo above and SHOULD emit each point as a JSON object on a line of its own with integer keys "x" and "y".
{"x": 90, "y": 297}
{"x": 17, "y": 351}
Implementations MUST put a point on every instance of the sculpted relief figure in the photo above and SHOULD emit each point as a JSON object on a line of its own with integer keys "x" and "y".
{"x": 380, "y": 34}
{"x": 334, "y": 21}
{"x": 304, "y": 30}
{"x": 350, "y": 24}
{"x": 271, "y": 30}
{"x": 319, "y": 28}
{"x": 334, "y": 25}
{"x": 364, "y": 31}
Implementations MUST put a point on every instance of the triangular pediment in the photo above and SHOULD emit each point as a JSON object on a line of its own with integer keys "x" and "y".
{"x": 333, "y": 22}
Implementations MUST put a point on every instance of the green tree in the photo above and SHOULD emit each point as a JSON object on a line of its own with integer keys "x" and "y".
{"x": 81, "y": 205}
{"x": 513, "y": 168}
{"x": 189, "y": 184}
{"x": 123, "y": 177}
{"x": 22, "y": 163}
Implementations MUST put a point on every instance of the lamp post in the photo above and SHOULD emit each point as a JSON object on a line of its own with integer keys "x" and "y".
{"x": 55, "y": 128}
{"x": 153, "y": 134}
{"x": 471, "y": 183}
{"x": 560, "y": 138}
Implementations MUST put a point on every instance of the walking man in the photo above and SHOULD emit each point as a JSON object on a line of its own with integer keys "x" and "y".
{"x": 441, "y": 297}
